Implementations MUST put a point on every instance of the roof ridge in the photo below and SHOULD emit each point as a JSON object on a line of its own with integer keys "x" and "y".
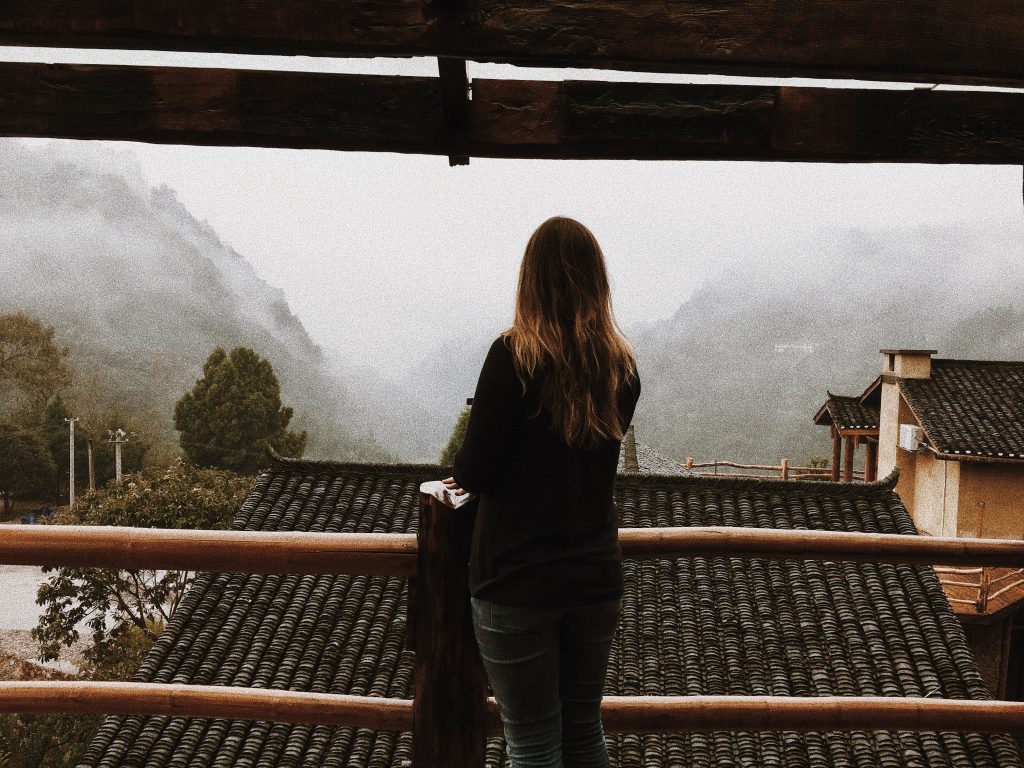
{"x": 973, "y": 362}
{"x": 723, "y": 482}
{"x": 766, "y": 484}
{"x": 288, "y": 462}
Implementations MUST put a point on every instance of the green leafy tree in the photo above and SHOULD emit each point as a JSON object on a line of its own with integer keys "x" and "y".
{"x": 31, "y": 364}
{"x": 45, "y": 741}
{"x": 121, "y": 605}
{"x": 455, "y": 441}
{"x": 233, "y": 412}
{"x": 26, "y": 466}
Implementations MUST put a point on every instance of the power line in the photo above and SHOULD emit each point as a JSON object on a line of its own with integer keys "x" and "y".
{"x": 22, "y": 433}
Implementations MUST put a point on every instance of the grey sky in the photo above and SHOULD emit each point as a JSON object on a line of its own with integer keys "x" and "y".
{"x": 383, "y": 255}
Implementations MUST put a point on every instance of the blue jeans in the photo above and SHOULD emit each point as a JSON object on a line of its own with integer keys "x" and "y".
{"x": 546, "y": 667}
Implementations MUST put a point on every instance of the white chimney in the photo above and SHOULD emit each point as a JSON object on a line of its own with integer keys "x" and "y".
{"x": 908, "y": 363}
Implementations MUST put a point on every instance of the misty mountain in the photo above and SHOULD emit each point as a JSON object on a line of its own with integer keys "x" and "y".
{"x": 142, "y": 292}
{"x": 740, "y": 369}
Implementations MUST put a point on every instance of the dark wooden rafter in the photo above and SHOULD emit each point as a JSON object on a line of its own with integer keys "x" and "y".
{"x": 977, "y": 42}
{"x": 454, "y": 86}
{"x": 454, "y": 81}
{"x": 514, "y": 119}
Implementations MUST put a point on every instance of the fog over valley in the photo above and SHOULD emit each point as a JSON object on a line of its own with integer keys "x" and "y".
{"x": 377, "y": 317}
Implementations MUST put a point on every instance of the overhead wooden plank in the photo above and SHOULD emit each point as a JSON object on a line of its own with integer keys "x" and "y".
{"x": 522, "y": 119}
{"x": 221, "y": 107}
{"x": 956, "y": 41}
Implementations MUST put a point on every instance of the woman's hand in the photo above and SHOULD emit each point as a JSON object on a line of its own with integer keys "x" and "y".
{"x": 449, "y": 483}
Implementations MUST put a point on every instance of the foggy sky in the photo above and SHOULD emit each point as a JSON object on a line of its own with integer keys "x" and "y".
{"x": 382, "y": 255}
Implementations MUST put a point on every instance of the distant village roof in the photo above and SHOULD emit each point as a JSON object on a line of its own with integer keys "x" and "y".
{"x": 971, "y": 407}
{"x": 847, "y": 413}
{"x": 689, "y": 626}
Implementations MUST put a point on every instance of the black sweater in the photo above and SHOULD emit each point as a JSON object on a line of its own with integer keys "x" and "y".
{"x": 546, "y": 532}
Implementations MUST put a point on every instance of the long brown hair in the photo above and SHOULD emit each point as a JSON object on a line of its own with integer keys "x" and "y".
{"x": 564, "y": 325}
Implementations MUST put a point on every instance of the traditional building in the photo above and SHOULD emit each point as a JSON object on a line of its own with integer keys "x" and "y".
{"x": 955, "y": 431}
{"x": 689, "y": 626}
{"x": 962, "y": 469}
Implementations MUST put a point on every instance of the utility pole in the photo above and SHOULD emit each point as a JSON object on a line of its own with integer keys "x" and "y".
{"x": 71, "y": 480}
{"x": 118, "y": 437}
{"x": 92, "y": 468}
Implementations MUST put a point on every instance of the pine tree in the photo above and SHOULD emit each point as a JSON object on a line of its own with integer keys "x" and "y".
{"x": 455, "y": 441}
{"x": 234, "y": 412}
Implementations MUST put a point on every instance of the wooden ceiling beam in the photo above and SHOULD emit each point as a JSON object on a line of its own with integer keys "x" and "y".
{"x": 515, "y": 119}
{"x": 949, "y": 41}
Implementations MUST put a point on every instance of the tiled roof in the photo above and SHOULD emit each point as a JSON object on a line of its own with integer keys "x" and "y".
{"x": 848, "y": 413}
{"x": 689, "y": 626}
{"x": 652, "y": 462}
{"x": 971, "y": 407}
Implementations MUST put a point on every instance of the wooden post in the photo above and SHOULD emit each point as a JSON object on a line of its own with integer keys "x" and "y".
{"x": 92, "y": 468}
{"x": 871, "y": 462}
{"x": 848, "y": 460}
{"x": 983, "y": 589}
{"x": 450, "y": 685}
{"x": 689, "y": 462}
{"x": 785, "y": 469}
{"x": 837, "y": 454}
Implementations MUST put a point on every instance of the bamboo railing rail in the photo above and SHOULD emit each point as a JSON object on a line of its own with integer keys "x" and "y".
{"x": 1015, "y": 575}
{"x": 674, "y": 714}
{"x": 620, "y": 714}
{"x": 395, "y": 554}
{"x": 215, "y": 701}
{"x": 382, "y": 554}
{"x": 1004, "y": 590}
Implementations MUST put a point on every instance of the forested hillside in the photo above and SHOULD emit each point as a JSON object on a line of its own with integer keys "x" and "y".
{"x": 141, "y": 292}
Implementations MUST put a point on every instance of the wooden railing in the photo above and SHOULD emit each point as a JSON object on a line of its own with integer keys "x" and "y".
{"x": 619, "y": 714}
{"x": 451, "y": 714}
{"x": 986, "y": 584}
{"x": 384, "y": 554}
{"x": 784, "y": 470}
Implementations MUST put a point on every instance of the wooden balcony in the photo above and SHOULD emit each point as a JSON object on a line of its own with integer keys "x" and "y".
{"x": 450, "y": 682}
